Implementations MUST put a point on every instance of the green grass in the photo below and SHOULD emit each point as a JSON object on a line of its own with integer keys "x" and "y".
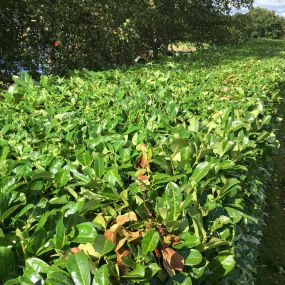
{"x": 117, "y": 164}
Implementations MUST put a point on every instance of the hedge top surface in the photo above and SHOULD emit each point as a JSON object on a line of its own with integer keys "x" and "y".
{"x": 137, "y": 176}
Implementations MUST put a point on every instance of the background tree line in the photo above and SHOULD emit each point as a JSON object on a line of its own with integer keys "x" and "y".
{"x": 259, "y": 23}
{"x": 61, "y": 35}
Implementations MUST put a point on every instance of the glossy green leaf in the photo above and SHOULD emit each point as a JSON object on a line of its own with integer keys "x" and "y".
{"x": 200, "y": 171}
{"x": 103, "y": 246}
{"x": 113, "y": 177}
{"x": 101, "y": 276}
{"x": 194, "y": 258}
{"x": 37, "y": 265}
{"x": 138, "y": 272}
{"x": 58, "y": 278}
{"x": 222, "y": 264}
{"x": 62, "y": 177}
{"x": 85, "y": 158}
{"x": 99, "y": 166}
{"x": 173, "y": 200}
{"x": 150, "y": 241}
{"x": 60, "y": 237}
{"x": 84, "y": 233}
{"x": 78, "y": 266}
{"x": 184, "y": 144}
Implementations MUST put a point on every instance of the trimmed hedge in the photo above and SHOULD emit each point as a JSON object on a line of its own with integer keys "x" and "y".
{"x": 139, "y": 176}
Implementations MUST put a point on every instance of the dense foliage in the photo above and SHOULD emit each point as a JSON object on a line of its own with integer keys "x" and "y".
{"x": 260, "y": 23}
{"x": 64, "y": 35}
{"x": 148, "y": 175}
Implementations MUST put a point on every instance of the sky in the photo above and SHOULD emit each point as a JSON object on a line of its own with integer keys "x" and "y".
{"x": 276, "y": 5}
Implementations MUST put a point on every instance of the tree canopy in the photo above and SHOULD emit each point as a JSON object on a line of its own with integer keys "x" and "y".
{"x": 264, "y": 23}
{"x": 62, "y": 35}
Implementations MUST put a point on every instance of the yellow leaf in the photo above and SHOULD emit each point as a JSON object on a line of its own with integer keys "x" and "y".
{"x": 100, "y": 220}
{"x": 89, "y": 250}
{"x": 121, "y": 243}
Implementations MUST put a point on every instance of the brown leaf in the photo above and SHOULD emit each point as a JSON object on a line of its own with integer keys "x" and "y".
{"x": 129, "y": 217}
{"x": 131, "y": 235}
{"x": 142, "y": 147}
{"x": 89, "y": 249}
{"x": 112, "y": 233}
{"x": 111, "y": 236}
{"x": 169, "y": 270}
{"x": 157, "y": 253}
{"x": 173, "y": 259}
{"x": 168, "y": 239}
{"x": 121, "y": 253}
{"x": 225, "y": 89}
{"x": 135, "y": 235}
{"x": 75, "y": 249}
{"x": 143, "y": 162}
{"x": 143, "y": 178}
{"x": 121, "y": 220}
{"x": 161, "y": 231}
{"x": 176, "y": 240}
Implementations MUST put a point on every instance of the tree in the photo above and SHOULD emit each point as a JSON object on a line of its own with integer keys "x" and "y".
{"x": 61, "y": 35}
{"x": 263, "y": 23}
